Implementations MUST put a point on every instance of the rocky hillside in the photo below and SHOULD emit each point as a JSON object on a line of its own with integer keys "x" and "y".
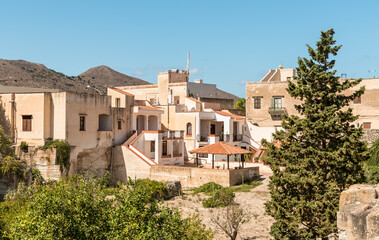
{"x": 21, "y": 73}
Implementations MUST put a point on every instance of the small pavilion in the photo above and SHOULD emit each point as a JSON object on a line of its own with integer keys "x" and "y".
{"x": 220, "y": 148}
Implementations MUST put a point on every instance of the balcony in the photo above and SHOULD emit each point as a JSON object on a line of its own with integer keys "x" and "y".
{"x": 171, "y": 134}
{"x": 277, "y": 111}
{"x": 237, "y": 137}
{"x": 202, "y": 137}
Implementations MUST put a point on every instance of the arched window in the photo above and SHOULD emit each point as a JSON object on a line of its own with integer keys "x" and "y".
{"x": 189, "y": 129}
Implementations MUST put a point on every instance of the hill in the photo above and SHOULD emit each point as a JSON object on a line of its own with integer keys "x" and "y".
{"x": 22, "y": 73}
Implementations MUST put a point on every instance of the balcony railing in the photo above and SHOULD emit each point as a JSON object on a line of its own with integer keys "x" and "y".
{"x": 277, "y": 110}
{"x": 237, "y": 137}
{"x": 202, "y": 137}
{"x": 173, "y": 134}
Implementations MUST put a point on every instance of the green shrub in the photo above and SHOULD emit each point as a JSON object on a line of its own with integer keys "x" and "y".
{"x": 156, "y": 190}
{"x": 207, "y": 188}
{"x": 374, "y": 154}
{"x": 78, "y": 208}
{"x": 63, "y": 152}
{"x": 222, "y": 197}
{"x": 24, "y": 146}
{"x": 371, "y": 174}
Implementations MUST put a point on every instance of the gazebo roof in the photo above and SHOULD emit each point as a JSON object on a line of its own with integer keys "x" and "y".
{"x": 221, "y": 148}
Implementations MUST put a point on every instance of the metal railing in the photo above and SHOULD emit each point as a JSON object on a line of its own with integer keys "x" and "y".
{"x": 277, "y": 110}
{"x": 237, "y": 137}
{"x": 202, "y": 137}
{"x": 173, "y": 134}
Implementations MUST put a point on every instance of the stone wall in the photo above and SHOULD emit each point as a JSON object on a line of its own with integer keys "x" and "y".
{"x": 358, "y": 216}
{"x": 44, "y": 160}
{"x": 370, "y": 136}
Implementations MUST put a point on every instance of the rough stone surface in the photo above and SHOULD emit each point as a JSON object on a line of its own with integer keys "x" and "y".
{"x": 370, "y": 136}
{"x": 175, "y": 189}
{"x": 358, "y": 216}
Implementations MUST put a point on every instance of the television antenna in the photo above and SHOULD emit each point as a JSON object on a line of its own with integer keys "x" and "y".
{"x": 372, "y": 71}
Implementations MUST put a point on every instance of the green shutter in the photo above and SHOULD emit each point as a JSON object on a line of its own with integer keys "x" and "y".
{"x": 273, "y": 102}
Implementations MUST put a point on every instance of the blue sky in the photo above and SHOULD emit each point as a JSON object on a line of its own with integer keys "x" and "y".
{"x": 231, "y": 42}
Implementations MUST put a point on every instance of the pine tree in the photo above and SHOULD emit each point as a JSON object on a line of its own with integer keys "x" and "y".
{"x": 321, "y": 149}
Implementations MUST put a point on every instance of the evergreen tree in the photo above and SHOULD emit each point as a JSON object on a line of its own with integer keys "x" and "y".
{"x": 321, "y": 150}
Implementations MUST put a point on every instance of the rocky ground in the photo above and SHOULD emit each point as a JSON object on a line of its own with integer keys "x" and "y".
{"x": 252, "y": 203}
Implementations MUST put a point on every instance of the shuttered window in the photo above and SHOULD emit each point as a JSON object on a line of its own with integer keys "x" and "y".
{"x": 366, "y": 125}
{"x": 27, "y": 123}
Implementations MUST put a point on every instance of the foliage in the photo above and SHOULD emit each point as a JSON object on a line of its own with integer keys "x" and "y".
{"x": 221, "y": 198}
{"x": 79, "y": 208}
{"x": 63, "y": 152}
{"x": 230, "y": 220}
{"x": 240, "y": 104}
{"x": 247, "y": 186}
{"x": 5, "y": 145}
{"x": 374, "y": 154}
{"x": 157, "y": 190}
{"x": 322, "y": 150}
{"x": 371, "y": 174}
{"x": 207, "y": 188}
{"x": 24, "y": 146}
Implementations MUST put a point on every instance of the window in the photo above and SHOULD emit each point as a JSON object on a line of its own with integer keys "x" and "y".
{"x": 288, "y": 78}
{"x": 367, "y": 125}
{"x": 119, "y": 124}
{"x": 189, "y": 129}
{"x": 118, "y": 102}
{"x": 203, "y": 155}
{"x": 176, "y": 99}
{"x": 152, "y": 101}
{"x": 357, "y": 100}
{"x": 213, "y": 129}
{"x": 257, "y": 102}
{"x": 152, "y": 146}
{"x": 82, "y": 123}
{"x": 27, "y": 123}
{"x": 276, "y": 103}
{"x": 164, "y": 148}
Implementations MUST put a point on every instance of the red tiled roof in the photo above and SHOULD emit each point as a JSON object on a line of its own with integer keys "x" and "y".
{"x": 221, "y": 148}
{"x": 120, "y": 91}
{"x": 229, "y": 114}
{"x": 193, "y": 99}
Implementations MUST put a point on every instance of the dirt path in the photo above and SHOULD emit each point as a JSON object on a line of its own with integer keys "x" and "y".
{"x": 251, "y": 202}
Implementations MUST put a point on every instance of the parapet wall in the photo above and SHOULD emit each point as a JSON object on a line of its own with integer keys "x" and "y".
{"x": 358, "y": 216}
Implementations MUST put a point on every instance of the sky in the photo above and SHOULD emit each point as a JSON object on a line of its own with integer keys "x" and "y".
{"x": 230, "y": 42}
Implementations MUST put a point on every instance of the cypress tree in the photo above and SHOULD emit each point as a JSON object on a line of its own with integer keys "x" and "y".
{"x": 321, "y": 149}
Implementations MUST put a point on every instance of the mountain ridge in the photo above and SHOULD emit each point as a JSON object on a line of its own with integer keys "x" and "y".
{"x": 21, "y": 73}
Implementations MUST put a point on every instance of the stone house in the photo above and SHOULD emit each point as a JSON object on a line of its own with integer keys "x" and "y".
{"x": 268, "y": 99}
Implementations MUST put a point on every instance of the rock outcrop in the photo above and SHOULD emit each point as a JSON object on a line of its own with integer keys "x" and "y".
{"x": 358, "y": 216}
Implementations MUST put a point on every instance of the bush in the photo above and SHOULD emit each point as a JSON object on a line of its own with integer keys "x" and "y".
{"x": 78, "y": 208}
{"x": 222, "y": 197}
{"x": 24, "y": 146}
{"x": 63, "y": 152}
{"x": 371, "y": 174}
{"x": 156, "y": 190}
{"x": 207, "y": 188}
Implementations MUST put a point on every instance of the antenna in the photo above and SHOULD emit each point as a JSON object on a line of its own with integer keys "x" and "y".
{"x": 372, "y": 71}
{"x": 188, "y": 56}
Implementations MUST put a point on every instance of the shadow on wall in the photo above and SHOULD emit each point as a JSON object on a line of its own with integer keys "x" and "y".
{"x": 4, "y": 121}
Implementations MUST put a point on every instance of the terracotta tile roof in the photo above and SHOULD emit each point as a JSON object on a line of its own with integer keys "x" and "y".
{"x": 149, "y": 108}
{"x": 229, "y": 114}
{"x": 193, "y": 99}
{"x": 120, "y": 91}
{"x": 221, "y": 148}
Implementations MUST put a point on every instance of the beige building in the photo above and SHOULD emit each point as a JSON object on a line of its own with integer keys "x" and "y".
{"x": 202, "y": 123}
{"x": 268, "y": 99}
